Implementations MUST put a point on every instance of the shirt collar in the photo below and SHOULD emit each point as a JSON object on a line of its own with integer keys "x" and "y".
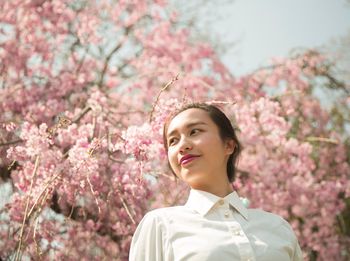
{"x": 202, "y": 202}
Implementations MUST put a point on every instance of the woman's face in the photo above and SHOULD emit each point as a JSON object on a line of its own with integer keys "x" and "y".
{"x": 196, "y": 152}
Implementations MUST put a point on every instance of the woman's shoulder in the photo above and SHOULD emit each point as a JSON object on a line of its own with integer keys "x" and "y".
{"x": 268, "y": 219}
{"x": 258, "y": 212}
{"x": 156, "y": 220}
{"x": 164, "y": 213}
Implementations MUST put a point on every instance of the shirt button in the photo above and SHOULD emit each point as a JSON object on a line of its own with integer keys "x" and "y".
{"x": 221, "y": 202}
{"x": 227, "y": 214}
{"x": 238, "y": 233}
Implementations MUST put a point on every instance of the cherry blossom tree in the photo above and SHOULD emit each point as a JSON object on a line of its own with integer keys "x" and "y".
{"x": 85, "y": 89}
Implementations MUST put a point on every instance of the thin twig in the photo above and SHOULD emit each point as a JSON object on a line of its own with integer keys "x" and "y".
{"x": 108, "y": 141}
{"x": 11, "y": 165}
{"x": 320, "y": 139}
{"x": 110, "y": 55}
{"x": 115, "y": 111}
{"x": 81, "y": 62}
{"x": 67, "y": 218}
{"x": 94, "y": 127}
{"x": 38, "y": 249}
{"x": 291, "y": 92}
{"x": 94, "y": 195}
{"x": 71, "y": 211}
{"x": 79, "y": 116}
{"x": 63, "y": 122}
{"x": 221, "y": 102}
{"x": 156, "y": 175}
{"x": 159, "y": 93}
{"x": 126, "y": 207}
{"x": 109, "y": 136}
{"x": 18, "y": 253}
{"x": 41, "y": 193}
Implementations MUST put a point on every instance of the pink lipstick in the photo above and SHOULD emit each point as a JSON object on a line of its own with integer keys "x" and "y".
{"x": 187, "y": 158}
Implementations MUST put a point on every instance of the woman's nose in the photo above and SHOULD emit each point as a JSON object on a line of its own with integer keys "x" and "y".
{"x": 185, "y": 145}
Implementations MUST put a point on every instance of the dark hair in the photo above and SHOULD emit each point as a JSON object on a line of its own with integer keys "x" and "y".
{"x": 224, "y": 125}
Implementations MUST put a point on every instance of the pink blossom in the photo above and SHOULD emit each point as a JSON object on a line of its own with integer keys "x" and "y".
{"x": 105, "y": 69}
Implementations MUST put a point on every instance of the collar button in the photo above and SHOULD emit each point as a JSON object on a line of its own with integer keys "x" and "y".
{"x": 226, "y": 214}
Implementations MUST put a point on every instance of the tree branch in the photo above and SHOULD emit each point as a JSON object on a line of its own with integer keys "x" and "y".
{"x": 18, "y": 252}
{"x": 110, "y": 55}
{"x": 11, "y": 142}
{"x": 81, "y": 115}
{"x": 159, "y": 93}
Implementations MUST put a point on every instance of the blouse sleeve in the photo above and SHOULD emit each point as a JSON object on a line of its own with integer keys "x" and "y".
{"x": 298, "y": 255}
{"x": 147, "y": 242}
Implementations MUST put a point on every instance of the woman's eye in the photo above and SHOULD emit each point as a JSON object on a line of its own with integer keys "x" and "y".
{"x": 172, "y": 141}
{"x": 194, "y": 131}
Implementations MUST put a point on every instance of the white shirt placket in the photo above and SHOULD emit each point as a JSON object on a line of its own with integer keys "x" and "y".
{"x": 235, "y": 229}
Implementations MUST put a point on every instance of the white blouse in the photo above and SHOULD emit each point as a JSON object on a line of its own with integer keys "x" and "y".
{"x": 211, "y": 228}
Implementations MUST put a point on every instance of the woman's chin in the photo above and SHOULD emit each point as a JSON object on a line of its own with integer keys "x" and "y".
{"x": 192, "y": 178}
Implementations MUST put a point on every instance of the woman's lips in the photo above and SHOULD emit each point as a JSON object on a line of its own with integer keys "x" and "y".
{"x": 187, "y": 159}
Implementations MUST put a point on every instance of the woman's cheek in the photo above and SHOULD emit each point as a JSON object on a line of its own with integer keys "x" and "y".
{"x": 172, "y": 160}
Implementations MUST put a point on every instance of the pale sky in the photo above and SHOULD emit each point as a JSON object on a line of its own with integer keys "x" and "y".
{"x": 262, "y": 29}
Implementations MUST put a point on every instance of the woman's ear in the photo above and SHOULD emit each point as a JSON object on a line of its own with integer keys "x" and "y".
{"x": 230, "y": 146}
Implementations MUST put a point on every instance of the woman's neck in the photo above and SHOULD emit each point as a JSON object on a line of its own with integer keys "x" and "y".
{"x": 220, "y": 190}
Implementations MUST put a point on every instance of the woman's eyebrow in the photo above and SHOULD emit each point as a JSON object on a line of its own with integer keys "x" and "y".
{"x": 187, "y": 126}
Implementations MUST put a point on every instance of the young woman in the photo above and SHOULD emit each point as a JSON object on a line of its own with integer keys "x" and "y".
{"x": 213, "y": 225}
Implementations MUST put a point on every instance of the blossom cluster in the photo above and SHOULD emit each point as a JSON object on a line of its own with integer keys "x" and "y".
{"x": 86, "y": 87}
